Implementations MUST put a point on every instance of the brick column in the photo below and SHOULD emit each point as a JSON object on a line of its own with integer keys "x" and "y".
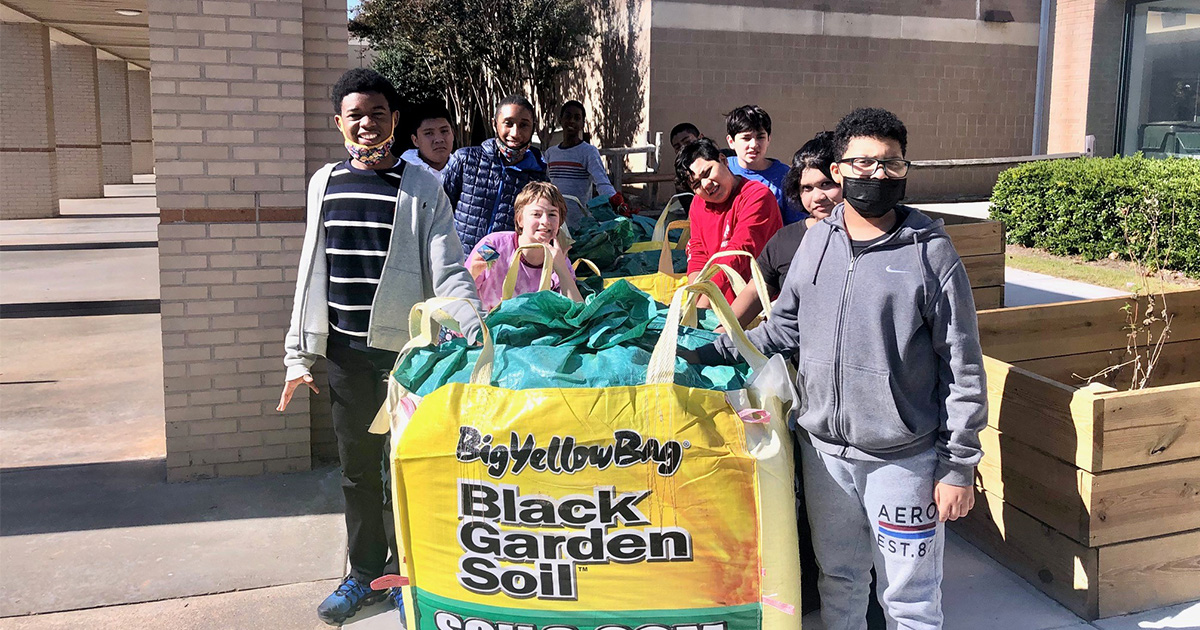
{"x": 1085, "y": 74}
{"x": 326, "y": 58}
{"x": 231, "y": 146}
{"x": 140, "y": 128}
{"x": 77, "y": 139}
{"x": 28, "y": 162}
{"x": 114, "y": 121}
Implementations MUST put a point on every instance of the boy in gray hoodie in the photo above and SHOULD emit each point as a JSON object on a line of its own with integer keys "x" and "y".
{"x": 892, "y": 383}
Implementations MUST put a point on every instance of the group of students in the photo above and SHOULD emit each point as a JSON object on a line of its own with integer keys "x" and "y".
{"x": 871, "y": 302}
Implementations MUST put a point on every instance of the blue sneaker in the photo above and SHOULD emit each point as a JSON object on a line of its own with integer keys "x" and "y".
{"x": 350, "y": 596}
{"x": 397, "y": 598}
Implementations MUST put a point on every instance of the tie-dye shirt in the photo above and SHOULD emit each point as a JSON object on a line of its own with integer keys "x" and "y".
{"x": 496, "y": 250}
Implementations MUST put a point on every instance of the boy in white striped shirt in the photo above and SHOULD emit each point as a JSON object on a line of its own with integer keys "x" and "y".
{"x": 380, "y": 238}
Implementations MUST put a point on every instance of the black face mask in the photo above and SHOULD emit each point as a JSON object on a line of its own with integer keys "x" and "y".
{"x": 873, "y": 198}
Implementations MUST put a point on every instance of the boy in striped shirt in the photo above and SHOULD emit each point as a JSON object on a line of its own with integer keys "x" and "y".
{"x": 380, "y": 238}
{"x": 574, "y": 166}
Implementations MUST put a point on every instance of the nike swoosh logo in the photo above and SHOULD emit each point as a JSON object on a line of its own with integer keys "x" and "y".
{"x": 890, "y": 270}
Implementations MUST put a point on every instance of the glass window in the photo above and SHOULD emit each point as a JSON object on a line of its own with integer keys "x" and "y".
{"x": 1162, "y": 81}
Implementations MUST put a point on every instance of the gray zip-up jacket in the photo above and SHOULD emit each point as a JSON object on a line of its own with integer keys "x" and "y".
{"x": 888, "y": 346}
{"x": 424, "y": 260}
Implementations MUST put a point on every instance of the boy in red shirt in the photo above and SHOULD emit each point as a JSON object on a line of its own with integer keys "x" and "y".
{"x": 729, "y": 212}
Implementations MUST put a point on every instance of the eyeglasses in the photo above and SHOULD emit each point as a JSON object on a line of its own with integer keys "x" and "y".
{"x": 866, "y": 167}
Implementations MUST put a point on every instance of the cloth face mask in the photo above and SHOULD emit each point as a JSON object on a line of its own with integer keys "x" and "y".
{"x": 370, "y": 155}
{"x": 873, "y": 198}
{"x": 509, "y": 154}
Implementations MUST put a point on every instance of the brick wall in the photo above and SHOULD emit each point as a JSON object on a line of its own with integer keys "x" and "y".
{"x": 233, "y": 84}
{"x": 958, "y": 100}
{"x": 28, "y": 166}
{"x": 78, "y": 138}
{"x": 326, "y": 51}
{"x": 140, "y": 127}
{"x": 114, "y": 121}
{"x": 226, "y": 289}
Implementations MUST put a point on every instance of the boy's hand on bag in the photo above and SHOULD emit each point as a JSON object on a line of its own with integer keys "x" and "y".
{"x": 953, "y": 502}
{"x": 289, "y": 388}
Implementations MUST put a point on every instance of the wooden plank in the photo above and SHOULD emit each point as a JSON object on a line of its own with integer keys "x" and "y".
{"x": 1178, "y": 363}
{"x": 1091, "y": 582}
{"x": 1051, "y": 562}
{"x": 1134, "y": 503}
{"x": 1050, "y": 490}
{"x": 988, "y": 297}
{"x": 1148, "y": 574}
{"x": 1053, "y": 330}
{"x": 649, "y": 178}
{"x": 952, "y": 219}
{"x": 976, "y": 239}
{"x": 1092, "y": 509}
{"x": 1036, "y": 410}
{"x": 992, "y": 161}
{"x": 1151, "y": 425}
{"x": 986, "y": 270}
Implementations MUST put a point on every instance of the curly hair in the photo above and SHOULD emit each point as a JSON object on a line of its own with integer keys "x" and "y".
{"x": 363, "y": 81}
{"x": 572, "y": 103}
{"x": 701, "y": 149}
{"x": 869, "y": 122}
{"x": 816, "y": 153}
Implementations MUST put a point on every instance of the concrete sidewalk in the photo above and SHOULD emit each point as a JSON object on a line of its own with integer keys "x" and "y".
{"x": 92, "y": 537}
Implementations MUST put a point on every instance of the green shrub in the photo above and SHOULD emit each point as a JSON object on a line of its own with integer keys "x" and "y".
{"x": 1092, "y": 207}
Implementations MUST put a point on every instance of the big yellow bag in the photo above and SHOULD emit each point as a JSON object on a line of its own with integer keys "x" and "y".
{"x": 663, "y": 284}
{"x": 656, "y": 506}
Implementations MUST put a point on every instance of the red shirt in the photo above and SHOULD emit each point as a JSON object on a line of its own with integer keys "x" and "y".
{"x": 745, "y": 221}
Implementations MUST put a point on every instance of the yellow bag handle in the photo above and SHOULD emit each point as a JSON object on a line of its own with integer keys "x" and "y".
{"x": 756, "y": 276}
{"x": 590, "y": 265}
{"x": 422, "y": 333}
{"x": 656, "y": 242}
{"x": 662, "y": 362}
{"x": 691, "y": 314}
{"x": 514, "y": 267}
{"x": 421, "y": 322}
{"x": 665, "y": 265}
{"x": 660, "y": 227}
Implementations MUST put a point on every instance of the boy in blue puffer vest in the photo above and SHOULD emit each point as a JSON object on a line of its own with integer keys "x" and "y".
{"x": 482, "y": 182}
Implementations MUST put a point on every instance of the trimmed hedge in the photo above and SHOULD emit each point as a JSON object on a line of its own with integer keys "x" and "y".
{"x": 1092, "y": 207}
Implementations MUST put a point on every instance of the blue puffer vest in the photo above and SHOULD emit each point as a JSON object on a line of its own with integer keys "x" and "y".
{"x": 482, "y": 189}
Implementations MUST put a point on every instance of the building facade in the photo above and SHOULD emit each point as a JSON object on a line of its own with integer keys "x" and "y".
{"x": 233, "y": 117}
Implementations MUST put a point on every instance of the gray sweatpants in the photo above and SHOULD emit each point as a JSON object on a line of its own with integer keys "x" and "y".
{"x": 864, "y": 512}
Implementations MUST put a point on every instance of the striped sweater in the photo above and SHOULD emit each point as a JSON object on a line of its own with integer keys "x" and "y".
{"x": 358, "y": 211}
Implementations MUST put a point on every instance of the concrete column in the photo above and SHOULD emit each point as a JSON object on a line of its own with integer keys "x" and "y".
{"x": 114, "y": 121}
{"x": 28, "y": 164}
{"x": 232, "y": 83}
{"x": 140, "y": 127}
{"x": 77, "y": 107}
{"x": 1085, "y": 74}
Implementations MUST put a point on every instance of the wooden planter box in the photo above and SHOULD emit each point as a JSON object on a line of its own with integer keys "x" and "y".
{"x": 980, "y": 243}
{"x": 1090, "y": 493}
